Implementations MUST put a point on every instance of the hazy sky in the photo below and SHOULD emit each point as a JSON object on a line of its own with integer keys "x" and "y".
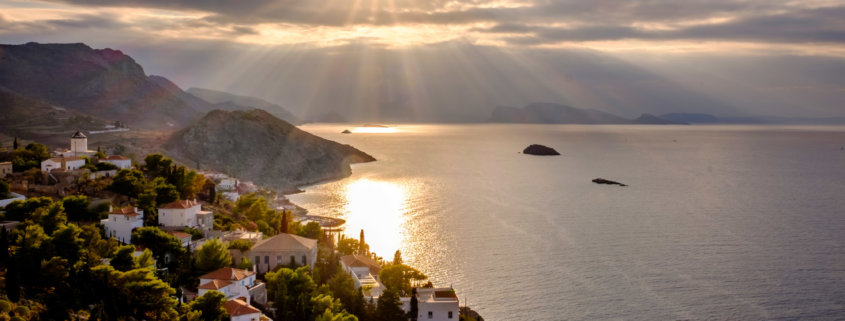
{"x": 456, "y": 59}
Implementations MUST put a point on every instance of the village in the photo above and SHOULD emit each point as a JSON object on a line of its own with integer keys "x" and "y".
{"x": 256, "y": 239}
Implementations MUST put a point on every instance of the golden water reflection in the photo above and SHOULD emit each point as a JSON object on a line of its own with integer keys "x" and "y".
{"x": 375, "y": 130}
{"x": 378, "y": 207}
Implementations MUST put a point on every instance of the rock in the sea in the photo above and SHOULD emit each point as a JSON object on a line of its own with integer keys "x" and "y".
{"x": 541, "y": 150}
{"x": 346, "y": 131}
{"x": 607, "y": 181}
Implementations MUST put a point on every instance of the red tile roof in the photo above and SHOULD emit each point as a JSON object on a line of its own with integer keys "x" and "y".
{"x": 180, "y": 204}
{"x": 179, "y": 235}
{"x": 127, "y": 211}
{"x": 361, "y": 261}
{"x": 228, "y": 274}
{"x": 214, "y": 285}
{"x": 237, "y": 307}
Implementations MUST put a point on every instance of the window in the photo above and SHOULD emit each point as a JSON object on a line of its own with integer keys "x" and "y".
{"x": 303, "y": 260}
{"x": 430, "y": 315}
{"x": 257, "y": 259}
{"x": 450, "y": 314}
{"x": 266, "y": 259}
{"x": 293, "y": 260}
{"x": 278, "y": 259}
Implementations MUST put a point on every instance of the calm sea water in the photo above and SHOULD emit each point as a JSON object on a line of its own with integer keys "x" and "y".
{"x": 719, "y": 222}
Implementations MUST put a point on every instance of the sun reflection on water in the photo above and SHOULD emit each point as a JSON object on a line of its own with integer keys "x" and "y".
{"x": 378, "y": 207}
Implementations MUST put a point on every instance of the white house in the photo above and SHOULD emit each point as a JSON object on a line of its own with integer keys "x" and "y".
{"x": 233, "y": 283}
{"x": 64, "y": 163}
{"x": 281, "y": 249}
{"x": 185, "y": 213}
{"x": 227, "y": 184}
{"x": 439, "y": 304}
{"x": 121, "y": 162}
{"x": 239, "y": 310}
{"x": 5, "y": 169}
{"x": 364, "y": 272}
{"x": 122, "y": 221}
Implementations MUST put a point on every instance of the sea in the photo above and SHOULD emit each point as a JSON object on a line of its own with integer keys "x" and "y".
{"x": 716, "y": 223}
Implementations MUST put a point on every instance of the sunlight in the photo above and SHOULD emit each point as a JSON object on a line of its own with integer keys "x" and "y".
{"x": 377, "y": 207}
{"x": 375, "y": 130}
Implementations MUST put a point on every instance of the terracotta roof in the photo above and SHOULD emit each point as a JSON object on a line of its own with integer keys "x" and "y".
{"x": 78, "y": 134}
{"x": 117, "y": 157}
{"x": 59, "y": 159}
{"x": 214, "y": 285}
{"x": 180, "y": 204}
{"x": 237, "y": 307}
{"x": 284, "y": 242}
{"x": 361, "y": 261}
{"x": 5, "y": 163}
{"x": 445, "y": 294}
{"x": 179, "y": 235}
{"x": 128, "y": 211}
{"x": 228, "y": 274}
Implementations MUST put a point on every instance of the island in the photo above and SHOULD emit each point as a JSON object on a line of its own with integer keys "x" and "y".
{"x": 540, "y": 150}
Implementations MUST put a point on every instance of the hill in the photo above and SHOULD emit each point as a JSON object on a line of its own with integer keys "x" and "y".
{"x": 549, "y": 113}
{"x": 255, "y": 145}
{"x": 228, "y": 101}
{"x": 102, "y": 83}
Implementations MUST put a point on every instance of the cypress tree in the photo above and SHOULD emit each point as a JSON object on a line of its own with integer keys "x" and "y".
{"x": 414, "y": 311}
{"x": 283, "y": 225}
{"x": 15, "y": 144}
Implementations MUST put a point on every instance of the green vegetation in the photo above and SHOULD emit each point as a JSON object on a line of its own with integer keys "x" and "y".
{"x": 211, "y": 256}
{"x": 29, "y": 157}
{"x": 5, "y": 191}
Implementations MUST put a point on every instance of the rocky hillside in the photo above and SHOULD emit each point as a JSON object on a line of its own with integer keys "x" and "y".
{"x": 255, "y": 145}
{"x": 104, "y": 83}
{"x": 228, "y": 101}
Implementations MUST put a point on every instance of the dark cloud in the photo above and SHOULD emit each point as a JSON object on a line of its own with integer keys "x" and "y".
{"x": 802, "y": 26}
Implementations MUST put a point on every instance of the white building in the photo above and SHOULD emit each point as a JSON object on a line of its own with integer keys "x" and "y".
{"x": 122, "y": 162}
{"x": 122, "y": 221}
{"x": 185, "y": 213}
{"x": 233, "y": 283}
{"x": 64, "y": 163}
{"x": 281, "y": 249}
{"x": 439, "y": 304}
{"x": 78, "y": 146}
{"x": 239, "y": 310}
{"x": 5, "y": 169}
{"x": 364, "y": 271}
{"x": 227, "y": 184}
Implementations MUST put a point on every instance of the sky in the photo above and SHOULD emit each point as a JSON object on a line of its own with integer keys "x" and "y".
{"x": 455, "y": 60}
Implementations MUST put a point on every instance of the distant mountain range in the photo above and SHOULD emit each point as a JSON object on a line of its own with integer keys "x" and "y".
{"x": 47, "y": 91}
{"x": 227, "y": 101}
{"x": 549, "y": 113}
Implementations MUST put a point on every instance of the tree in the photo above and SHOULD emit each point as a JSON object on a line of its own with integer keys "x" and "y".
{"x": 15, "y": 144}
{"x": 397, "y": 257}
{"x": 210, "y": 305}
{"x": 399, "y": 276}
{"x": 76, "y": 208}
{"x": 4, "y": 248}
{"x": 348, "y": 246}
{"x": 312, "y": 230}
{"x": 136, "y": 294}
{"x": 414, "y": 310}
{"x": 4, "y": 190}
{"x": 389, "y": 307}
{"x": 156, "y": 165}
{"x": 283, "y": 223}
{"x": 160, "y": 243}
{"x": 212, "y": 255}
{"x": 129, "y": 182}
{"x": 122, "y": 259}
{"x": 165, "y": 193}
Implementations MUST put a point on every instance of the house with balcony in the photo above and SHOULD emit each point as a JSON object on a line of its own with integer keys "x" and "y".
{"x": 364, "y": 271}
{"x": 184, "y": 214}
{"x": 234, "y": 283}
